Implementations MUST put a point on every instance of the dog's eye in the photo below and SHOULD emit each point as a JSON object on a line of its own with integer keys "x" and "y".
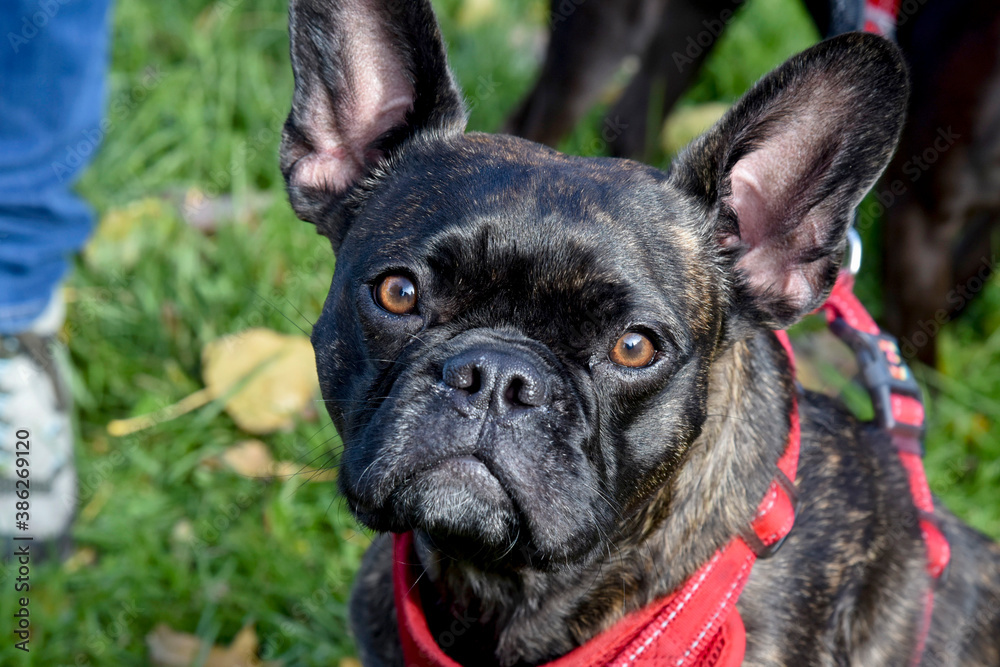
{"x": 397, "y": 294}
{"x": 633, "y": 350}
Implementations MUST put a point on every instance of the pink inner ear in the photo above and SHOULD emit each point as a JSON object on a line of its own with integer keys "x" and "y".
{"x": 768, "y": 190}
{"x": 377, "y": 95}
{"x": 757, "y": 200}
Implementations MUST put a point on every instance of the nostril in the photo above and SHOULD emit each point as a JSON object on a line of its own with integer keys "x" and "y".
{"x": 495, "y": 381}
{"x": 476, "y": 381}
{"x": 522, "y": 392}
{"x": 512, "y": 394}
{"x": 463, "y": 376}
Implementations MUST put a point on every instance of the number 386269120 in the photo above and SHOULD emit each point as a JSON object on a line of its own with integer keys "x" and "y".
{"x": 22, "y": 483}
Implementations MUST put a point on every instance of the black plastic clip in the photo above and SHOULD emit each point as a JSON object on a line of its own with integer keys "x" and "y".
{"x": 883, "y": 373}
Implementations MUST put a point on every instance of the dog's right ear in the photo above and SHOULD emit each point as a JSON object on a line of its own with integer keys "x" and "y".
{"x": 368, "y": 75}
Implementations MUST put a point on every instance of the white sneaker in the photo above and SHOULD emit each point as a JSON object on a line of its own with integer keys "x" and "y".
{"x": 35, "y": 401}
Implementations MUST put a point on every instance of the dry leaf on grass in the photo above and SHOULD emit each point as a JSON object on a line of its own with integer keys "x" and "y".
{"x": 82, "y": 558}
{"x": 252, "y": 458}
{"x": 282, "y": 372}
{"x": 170, "y": 648}
{"x": 119, "y": 223}
{"x": 265, "y": 377}
{"x": 116, "y": 239}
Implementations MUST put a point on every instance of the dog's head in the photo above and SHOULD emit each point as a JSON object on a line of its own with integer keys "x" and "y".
{"x": 516, "y": 343}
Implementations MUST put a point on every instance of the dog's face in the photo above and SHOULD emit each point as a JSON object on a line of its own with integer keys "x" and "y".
{"x": 510, "y": 349}
{"x": 516, "y": 345}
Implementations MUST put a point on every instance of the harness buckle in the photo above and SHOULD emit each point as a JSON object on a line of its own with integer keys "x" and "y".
{"x": 750, "y": 536}
{"x": 884, "y": 373}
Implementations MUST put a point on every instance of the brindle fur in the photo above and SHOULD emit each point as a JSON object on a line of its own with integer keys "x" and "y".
{"x": 624, "y": 481}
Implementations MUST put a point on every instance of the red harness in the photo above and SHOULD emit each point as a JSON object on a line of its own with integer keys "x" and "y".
{"x": 898, "y": 410}
{"x": 880, "y": 17}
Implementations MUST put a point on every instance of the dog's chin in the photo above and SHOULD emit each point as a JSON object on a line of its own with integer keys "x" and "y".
{"x": 466, "y": 513}
{"x": 458, "y": 503}
{"x": 459, "y": 500}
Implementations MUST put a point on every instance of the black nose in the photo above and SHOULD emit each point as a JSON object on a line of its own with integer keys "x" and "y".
{"x": 498, "y": 380}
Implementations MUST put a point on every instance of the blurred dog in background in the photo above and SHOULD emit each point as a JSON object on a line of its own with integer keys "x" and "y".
{"x": 941, "y": 194}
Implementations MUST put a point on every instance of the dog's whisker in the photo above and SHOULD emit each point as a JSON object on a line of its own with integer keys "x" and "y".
{"x": 335, "y": 436}
{"x": 326, "y": 452}
{"x": 511, "y": 545}
{"x": 281, "y": 312}
{"x": 295, "y": 308}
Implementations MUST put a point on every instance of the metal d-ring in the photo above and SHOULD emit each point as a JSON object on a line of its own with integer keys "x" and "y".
{"x": 853, "y": 251}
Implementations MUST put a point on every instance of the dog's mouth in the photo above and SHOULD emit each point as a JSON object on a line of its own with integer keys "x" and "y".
{"x": 461, "y": 498}
{"x": 458, "y": 501}
{"x": 483, "y": 452}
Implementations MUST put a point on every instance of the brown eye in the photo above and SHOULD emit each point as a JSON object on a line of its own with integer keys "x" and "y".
{"x": 397, "y": 294}
{"x": 633, "y": 350}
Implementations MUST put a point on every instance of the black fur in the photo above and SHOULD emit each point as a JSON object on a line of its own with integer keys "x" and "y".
{"x": 561, "y": 491}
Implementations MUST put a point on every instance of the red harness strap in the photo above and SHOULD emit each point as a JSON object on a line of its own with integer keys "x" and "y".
{"x": 695, "y": 626}
{"x": 880, "y": 17}
{"x": 898, "y": 410}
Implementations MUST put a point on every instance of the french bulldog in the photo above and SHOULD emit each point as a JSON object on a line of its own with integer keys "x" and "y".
{"x": 561, "y": 373}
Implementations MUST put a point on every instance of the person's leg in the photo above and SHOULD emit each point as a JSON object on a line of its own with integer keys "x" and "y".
{"x": 53, "y": 58}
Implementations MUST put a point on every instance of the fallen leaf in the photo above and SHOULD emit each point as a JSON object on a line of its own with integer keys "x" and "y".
{"x": 273, "y": 375}
{"x": 116, "y": 240}
{"x": 349, "y": 662}
{"x": 119, "y": 223}
{"x": 266, "y": 379}
{"x": 81, "y": 558}
{"x": 252, "y": 458}
{"x": 170, "y": 648}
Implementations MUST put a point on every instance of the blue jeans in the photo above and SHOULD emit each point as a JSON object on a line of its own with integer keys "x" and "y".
{"x": 53, "y": 58}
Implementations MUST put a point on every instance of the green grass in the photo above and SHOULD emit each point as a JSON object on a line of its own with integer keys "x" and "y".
{"x": 198, "y": 97}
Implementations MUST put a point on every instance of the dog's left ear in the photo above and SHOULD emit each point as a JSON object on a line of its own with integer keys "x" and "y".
{"x": 369, "y": 74}
{"x": 783, "y": 171}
